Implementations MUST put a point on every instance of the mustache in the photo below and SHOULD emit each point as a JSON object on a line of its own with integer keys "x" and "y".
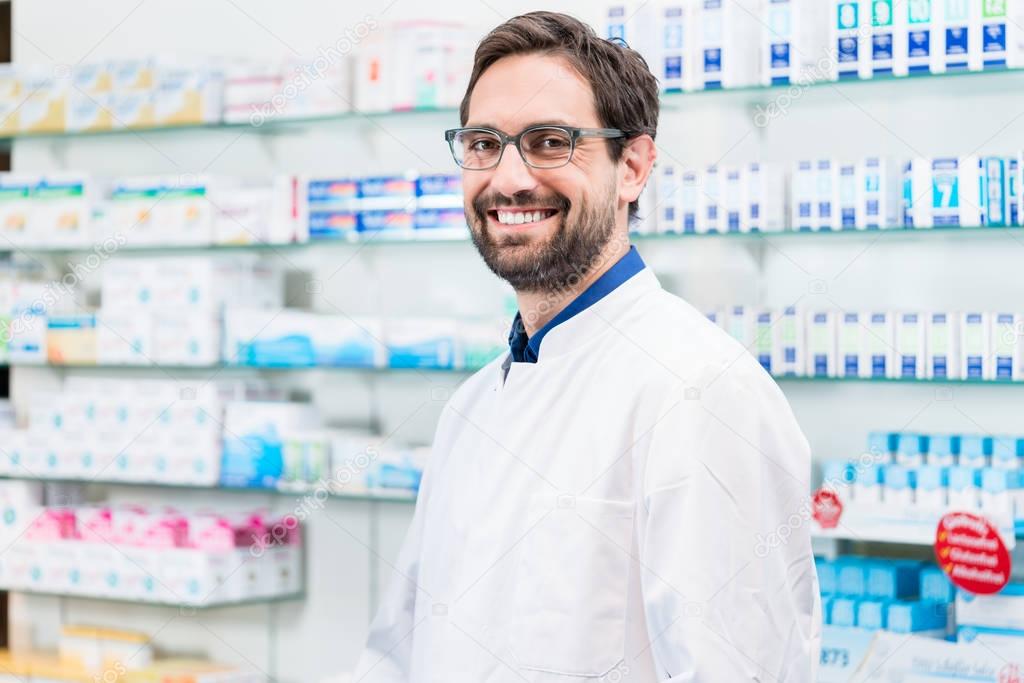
{"x": 485, "y": 202}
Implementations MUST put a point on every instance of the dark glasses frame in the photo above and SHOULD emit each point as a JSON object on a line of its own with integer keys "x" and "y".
{"x": 574, "y": 135}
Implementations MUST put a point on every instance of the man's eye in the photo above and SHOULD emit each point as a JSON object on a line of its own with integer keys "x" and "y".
{"x": 553, "y": 142}
{"x": 483, "y": 145}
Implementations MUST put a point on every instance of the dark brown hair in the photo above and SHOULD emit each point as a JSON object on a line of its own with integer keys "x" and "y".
{"x": 625, "y": 91}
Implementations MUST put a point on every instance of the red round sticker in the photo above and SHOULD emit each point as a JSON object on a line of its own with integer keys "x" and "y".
{"x": 1011, "y": 673}
{"x": 826, "y": 508}
{"x": 972, "y": 553}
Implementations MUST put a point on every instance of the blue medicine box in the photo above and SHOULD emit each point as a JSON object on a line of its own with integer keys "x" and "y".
{"x": 837, "y": 472}
{"x": 897, "y": 477}
{"x": 882, "y": 443}
{"x": 915, "y": 616}
{"x": 896, "y": 580}
{"x": 871, "y": 614}
{"x": 851, "y": 576}
{"x": 932, "y": 477}
{"x": 1004, "y": 451}
{"x": 844, "y": 612}
{"x": 961, "y": 478}
{"x": 943, "y": 449}
{"x": 827, "y": 581}
{"x": 826, "y": 609}
{"x": 912, "y": 444}
{"x": 936, "y": 586}
{"x": 974, "y": 450}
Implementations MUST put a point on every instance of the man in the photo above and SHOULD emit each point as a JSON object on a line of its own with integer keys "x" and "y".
{"x": 593, "y": 506}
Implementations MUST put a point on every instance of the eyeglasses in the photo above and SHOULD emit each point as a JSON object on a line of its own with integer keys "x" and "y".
{"x": 480, "y": 149}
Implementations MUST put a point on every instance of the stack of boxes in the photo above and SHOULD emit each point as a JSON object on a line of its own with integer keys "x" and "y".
{"x": 912, "y": 597}
{"x": 901, "y": 596}
{"x": 75, "y": 210}
{"x": 993, "y": 619}
{"x": 89, "y": 653}
{"x": 169, "y": 310}
{"x": 750, "y": 198}
{"x": 413, "y": 65}
{"x": 119, "y": 430}
{"x": 406, "y": 205}
{"x": 880, "y": 344}
{"x": 691, "y": 44}
{"x": 256, "y": 92}
{"x": 707, "y": 44}
{"x": 107, "y": 95}
{"x": 285, "y": 446}
{"x": 224, "y": 433}
{"x": 150, "y": 555}
{"x": 920, "y": 476}
{"x": 260, "y": 338}
{"x": 831, "y": 195}
{"x": 24, "y": 308}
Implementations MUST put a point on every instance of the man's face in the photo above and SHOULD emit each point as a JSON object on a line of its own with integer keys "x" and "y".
{"x": 539, "y": 229}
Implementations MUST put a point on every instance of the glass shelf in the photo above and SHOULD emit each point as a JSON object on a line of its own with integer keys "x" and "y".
{"x": 377, "y": 495}
{"x": 287, "y": 597}
{"x": 900, "y": 380}
{"x": 994, "y": 80}
{"x": 803, "y": 379}
{"x": 247, "y": 368}
{"x": 1002, "y": 80}
{"x": 268, "y": 127}
{"x": 376, "y": 242}
{"x": 881, "y": 526}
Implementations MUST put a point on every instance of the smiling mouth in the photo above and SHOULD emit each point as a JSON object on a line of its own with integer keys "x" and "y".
{"x": 520, "y": 216}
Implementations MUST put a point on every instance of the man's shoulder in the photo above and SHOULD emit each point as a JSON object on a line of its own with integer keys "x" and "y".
{"x": 684, "y": 341}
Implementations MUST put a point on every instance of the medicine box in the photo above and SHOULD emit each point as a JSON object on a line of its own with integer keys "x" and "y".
{"x": 794, "y": 48}
{"x": 910, "y": 345}
{"x": 850, "y": 33}
{"x": 942, "y": 346}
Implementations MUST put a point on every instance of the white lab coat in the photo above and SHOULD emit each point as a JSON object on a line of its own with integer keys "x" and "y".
{"x": 600, "y": 516}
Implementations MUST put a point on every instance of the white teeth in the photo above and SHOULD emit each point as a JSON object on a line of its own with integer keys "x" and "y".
{"x": 520, "y": 217}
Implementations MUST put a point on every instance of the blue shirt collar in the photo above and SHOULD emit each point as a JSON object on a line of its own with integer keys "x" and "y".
{"x": 527, "y": 349}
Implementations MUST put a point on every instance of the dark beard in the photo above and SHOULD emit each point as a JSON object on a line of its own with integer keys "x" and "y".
{"x": 554, "y": 266}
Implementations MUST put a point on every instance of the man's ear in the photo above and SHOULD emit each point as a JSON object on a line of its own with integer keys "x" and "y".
{"x": 635, "y": 166}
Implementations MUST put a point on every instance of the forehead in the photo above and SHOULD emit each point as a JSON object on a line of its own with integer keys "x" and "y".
{"x": 522, "y": 90}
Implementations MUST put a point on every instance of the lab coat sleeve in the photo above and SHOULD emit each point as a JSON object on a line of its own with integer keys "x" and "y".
{"x": 726, "y": 472}
{"x": 386, "y": 657}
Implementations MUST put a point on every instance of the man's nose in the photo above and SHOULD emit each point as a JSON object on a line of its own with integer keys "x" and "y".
{"x": 512, "y": 175}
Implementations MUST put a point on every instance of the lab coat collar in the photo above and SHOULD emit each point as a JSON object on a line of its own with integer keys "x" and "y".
{"x": 596, "y": 319}
{"x": 527, "y": 349}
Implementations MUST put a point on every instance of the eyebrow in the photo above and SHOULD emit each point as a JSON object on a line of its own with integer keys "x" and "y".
{"x": 546, "y": 122}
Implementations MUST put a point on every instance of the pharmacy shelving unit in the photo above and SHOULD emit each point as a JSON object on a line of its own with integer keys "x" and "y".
{"x": 355, "y": 537}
